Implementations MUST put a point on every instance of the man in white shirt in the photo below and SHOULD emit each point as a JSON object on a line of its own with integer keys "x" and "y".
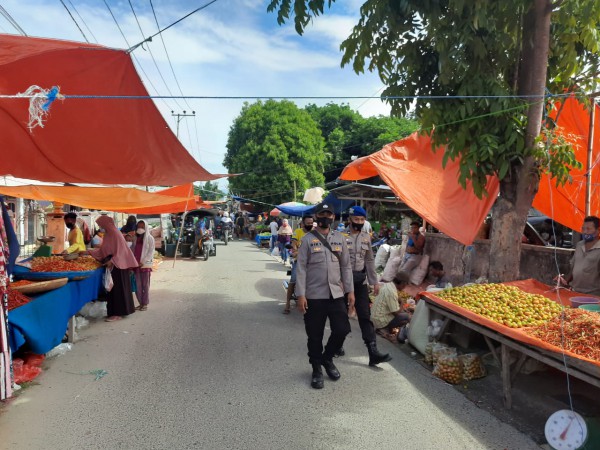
{"x": 274, "y": 228}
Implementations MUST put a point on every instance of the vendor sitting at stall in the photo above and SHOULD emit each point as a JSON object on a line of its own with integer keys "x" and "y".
{"x": 75, "y": 237}
{"x": 386, "y": 312}
{"x": 437, "y": 274}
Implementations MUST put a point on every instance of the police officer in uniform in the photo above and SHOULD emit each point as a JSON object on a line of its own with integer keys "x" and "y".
{"x": 323, "y": 278}
{"x": 363, "y": 272}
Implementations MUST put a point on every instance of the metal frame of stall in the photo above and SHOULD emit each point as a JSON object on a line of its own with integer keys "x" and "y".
{"x": 577, "y": 368}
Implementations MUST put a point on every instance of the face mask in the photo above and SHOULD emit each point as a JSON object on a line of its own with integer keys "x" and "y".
{"x": 324, "y": 222}
{"x": 357, "y": 226}
{"x": 130, "y": 244}
{"x": 308, "y": 227}
{"x": 588, "y": 237}
{"x": 140, "y": 230}
{"x": 70, "y": 226}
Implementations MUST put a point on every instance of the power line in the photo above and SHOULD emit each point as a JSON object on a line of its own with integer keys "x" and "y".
{"x": 174, "y": 23}
{"x": 175, "y": 76}
{"x": 75, "y": 22}
{"x": 84, "y": 22}
{"x": 12, "y": 21}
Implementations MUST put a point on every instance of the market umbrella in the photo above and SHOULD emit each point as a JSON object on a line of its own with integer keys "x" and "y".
{"x": 85, "y": 140}
{"x": 274, "y": 212}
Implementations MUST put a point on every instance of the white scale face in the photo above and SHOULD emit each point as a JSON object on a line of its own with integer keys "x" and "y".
{"x": 566, "y": 430}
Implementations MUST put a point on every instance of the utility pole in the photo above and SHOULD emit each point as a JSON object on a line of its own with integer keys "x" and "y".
{"x": 294, "y": 190}
{"x": 180, "y": 118}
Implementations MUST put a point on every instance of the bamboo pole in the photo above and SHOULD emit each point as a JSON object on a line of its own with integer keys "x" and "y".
{"x": 588, "y": 174}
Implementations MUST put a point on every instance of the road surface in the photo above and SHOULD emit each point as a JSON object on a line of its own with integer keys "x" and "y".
{"x": 214, "y": 364}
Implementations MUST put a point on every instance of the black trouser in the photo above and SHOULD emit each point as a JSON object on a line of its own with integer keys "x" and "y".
{"x": 399, "y": 321}
{"x": 363, "y": 312}
{"x": 314, "y": 322}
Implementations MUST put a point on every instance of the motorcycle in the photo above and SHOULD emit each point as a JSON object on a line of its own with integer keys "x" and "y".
{"x": 224, "y": 231}
{"x": 207, "y": 245}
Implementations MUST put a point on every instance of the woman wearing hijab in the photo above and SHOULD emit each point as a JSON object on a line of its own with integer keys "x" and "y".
{"x": 119, "y": 258}
{"x": 143, "y": 250}
{"x": 284, "y": 237}
{"x": 130, "y": 226}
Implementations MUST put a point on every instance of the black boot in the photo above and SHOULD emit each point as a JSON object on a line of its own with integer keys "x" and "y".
{"x": 331, "y": 370}
{"x": 317, "y": 377}
{"x": 374, "y": 356}
{"x": 340, "y": 352}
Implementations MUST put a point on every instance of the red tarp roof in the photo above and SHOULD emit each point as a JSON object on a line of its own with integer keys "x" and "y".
{"x": 415, "y": 174}
{"x": 110, "y": 141}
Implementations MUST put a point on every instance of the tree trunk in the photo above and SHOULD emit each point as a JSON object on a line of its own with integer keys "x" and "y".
{"x": 519, "y": 188}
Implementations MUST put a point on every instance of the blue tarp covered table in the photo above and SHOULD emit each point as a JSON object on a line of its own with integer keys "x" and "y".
{"x": 42, "y": 323}
{"x": 258, "y": 239}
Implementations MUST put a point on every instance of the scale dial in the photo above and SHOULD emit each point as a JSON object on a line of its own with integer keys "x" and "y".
{"x": 566, "y": 430}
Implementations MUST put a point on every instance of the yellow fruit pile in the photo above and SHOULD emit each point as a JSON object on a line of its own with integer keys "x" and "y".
{"x": 507, "y": 305}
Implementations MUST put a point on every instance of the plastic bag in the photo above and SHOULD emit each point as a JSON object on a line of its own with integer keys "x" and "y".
{"x": 382, "y": 256}
{"x": 34, "y": 360}
{"x": 440, "y": 349}
{"x": 107, "y": 281}
{"x": 275, "y": 251}
{"x": 473, "y": 367}
{"x": 59, "y": 350}
{"x": 449, "y": 368}
{"x": 429, "y": 353}
{"x": 93, "y": 310}
{"x": 25, "y": 373}
{"x": 81, "y": 322}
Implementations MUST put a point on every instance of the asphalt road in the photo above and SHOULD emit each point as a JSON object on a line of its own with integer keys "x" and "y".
{"x": 214, "y": 364}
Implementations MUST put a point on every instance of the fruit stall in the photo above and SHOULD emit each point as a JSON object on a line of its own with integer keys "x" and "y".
{"x": 45, "y": 298}
{"x": 527, "y": 317}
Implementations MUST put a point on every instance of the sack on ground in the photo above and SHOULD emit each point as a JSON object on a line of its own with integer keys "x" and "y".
{"x": 429, "y": 353}
{"x": 417, "y": 333}
{"x": 382, "y": 256}
{"x": 449, "y": 368}
{"x": 391, "y": 268}
{"x": 440, "y": 349}
{"x": 419, "y": 273}
{"x": 108, "y": 281}
{"x": 473, "y": 367}
{"x": 93, "y": 310}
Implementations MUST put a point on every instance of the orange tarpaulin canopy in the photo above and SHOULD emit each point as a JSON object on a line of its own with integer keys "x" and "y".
{"x": 183, "y": 199}
{"x": 566, "y": 204}
{"x": 104, "y": 198}
{"x": 91, "y": 140}
{"x": 415, "y": 174}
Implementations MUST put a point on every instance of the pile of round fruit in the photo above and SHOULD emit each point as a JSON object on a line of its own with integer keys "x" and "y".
{"x": 58, "y": 264}
{"x": 449, "y": 368}
{"x": 506, "y": 305}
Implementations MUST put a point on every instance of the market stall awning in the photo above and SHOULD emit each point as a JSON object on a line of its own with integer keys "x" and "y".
{"x": 102, "y": 198}
{"x": 86, "y": 140}
{"x": 415, "y": 174}
{"x": 566, "y": 204}
{"x": 301, "y": 210}
{"x": 177, "y": 193}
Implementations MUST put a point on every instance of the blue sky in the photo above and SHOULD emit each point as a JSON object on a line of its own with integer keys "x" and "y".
{"x": 231, "y": 48}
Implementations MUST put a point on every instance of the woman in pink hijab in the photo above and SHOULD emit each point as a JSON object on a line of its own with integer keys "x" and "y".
{"x": 117, "y": 255}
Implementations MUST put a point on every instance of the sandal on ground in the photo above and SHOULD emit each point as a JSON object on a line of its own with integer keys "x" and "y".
{"x": 112, "y": 318}
{"x": 143, "y": 308}
{"x": 286, "y": 311}
{"x": 137, "y": 308}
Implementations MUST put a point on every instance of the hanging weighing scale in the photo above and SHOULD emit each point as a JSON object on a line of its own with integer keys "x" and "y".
{"x": 568, "y": 430}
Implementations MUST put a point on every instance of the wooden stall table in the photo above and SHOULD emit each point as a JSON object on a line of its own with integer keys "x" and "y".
{"x": 576, "y": 367}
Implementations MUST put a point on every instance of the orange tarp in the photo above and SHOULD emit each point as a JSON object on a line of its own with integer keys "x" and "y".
{"x": 181, "y": 199}
{"x": 566, "y": 204}
{"x": 415, "y": 174}
{"x": 531, "y": 286}
{"x": 103, "y": 198}
{"x": 91, "y": 140}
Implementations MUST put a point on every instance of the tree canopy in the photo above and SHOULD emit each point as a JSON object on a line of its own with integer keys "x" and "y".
{"x": 348, "y": 134}
{"x": 209, "y": 191}
{"x": 274, "y": 145}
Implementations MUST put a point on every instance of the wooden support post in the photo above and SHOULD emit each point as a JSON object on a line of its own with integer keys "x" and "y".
{"x": 490, "y": 345}
{"x": 518, "y": 367}
{"x": 71, "y": 330}
{"x": 506, "y": 385}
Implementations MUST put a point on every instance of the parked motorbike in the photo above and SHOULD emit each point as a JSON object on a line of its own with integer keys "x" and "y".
{"x": 207, "y": 245}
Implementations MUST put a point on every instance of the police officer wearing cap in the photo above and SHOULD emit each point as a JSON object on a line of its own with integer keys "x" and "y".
{"x": 363, "y": 272}
{"x": 323, "y": 278}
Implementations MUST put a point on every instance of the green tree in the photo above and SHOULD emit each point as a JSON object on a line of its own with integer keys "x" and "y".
{"x": 509, "y": 51}
{"x": 209, "y": 191}
{"x": 348, "y": 134}
{"x": 276, "y": 148}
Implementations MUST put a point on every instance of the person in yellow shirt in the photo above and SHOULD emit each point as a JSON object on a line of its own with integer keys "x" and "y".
{"x": 306, "y": 226}
{"x": 75, "y": 236}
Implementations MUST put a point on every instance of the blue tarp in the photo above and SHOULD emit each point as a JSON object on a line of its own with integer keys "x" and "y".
{"x": 299, "y": 211}
{"x": 13, "y": 243}
{"x": 23, "y": 273}
{"x": 42, "y": 323}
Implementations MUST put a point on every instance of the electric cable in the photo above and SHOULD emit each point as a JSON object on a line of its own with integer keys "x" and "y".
{"x": 82, "y": 20}
{"x": 12, "y": 21}
{"x": 75, "y": 22}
